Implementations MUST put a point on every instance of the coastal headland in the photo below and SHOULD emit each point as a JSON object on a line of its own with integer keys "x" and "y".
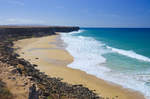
{"x": 19, "y": 79}
{"x": 34, "y": 64}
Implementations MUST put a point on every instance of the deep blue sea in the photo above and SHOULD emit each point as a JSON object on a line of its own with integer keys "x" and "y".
{"x": 118, "y": 55}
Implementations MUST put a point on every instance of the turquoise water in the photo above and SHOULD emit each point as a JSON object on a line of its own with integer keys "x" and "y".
{"x": 134, "y": 39}
{"x": 129, "y": 39}
{"x": 118, "y": 55}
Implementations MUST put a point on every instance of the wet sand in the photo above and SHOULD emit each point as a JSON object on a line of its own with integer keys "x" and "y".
{"x": 52, "y": 58}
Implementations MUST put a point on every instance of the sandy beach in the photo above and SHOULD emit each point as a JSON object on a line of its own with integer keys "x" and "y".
{"x": 52, "y": 58}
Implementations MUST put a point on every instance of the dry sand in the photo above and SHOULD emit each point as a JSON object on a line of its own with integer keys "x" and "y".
{"x": 53, "y": 60}
{"x": 16, "y": 84}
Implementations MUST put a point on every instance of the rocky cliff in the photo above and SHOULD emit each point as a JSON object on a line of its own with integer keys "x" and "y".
{"x": 26, "y": 30}
{"x": 21, "y": 74}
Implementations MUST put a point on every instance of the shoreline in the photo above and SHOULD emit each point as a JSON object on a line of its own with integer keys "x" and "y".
{"x": 49, "y": 62}
{"x": 42, "y": 86}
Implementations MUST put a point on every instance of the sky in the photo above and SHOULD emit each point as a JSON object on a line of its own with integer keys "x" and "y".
{"x": 83, "y": 13}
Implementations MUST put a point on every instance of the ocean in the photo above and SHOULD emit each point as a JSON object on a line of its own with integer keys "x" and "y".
{"x": 117, "y": 55}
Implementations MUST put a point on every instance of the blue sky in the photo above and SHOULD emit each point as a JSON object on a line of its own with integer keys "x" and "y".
{"x": 87, "y": 13}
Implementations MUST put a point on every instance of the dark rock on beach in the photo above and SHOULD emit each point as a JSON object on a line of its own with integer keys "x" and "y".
{"x": 44, "y": 87}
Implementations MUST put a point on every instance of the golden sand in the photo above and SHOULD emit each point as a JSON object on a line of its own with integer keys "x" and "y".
{"x": 53, "y": 61}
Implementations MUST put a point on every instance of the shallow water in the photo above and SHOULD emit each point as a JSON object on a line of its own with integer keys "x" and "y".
{"x": 121, "y": 56}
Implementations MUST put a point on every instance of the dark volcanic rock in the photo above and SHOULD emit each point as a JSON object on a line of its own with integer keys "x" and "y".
{"x": 39, "y": 30}
{"x": 47, "y": 86}
{"x": 33, "y": 94}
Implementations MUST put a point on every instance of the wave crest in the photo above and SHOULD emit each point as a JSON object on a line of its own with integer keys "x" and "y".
{"x": 130, "y": 54}
{"x": 75, "y": 32}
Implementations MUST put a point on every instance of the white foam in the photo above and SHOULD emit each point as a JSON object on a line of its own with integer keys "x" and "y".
{"x": 75, "y": 32}
{"x": 130, "y": 54}
{"x": 88, "y": 56}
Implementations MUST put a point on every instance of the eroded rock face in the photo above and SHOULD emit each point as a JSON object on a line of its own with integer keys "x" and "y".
{"x": 27, "y": 30}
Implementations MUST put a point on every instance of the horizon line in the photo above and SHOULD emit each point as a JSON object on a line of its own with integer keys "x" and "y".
{"x": 68, "y": 25}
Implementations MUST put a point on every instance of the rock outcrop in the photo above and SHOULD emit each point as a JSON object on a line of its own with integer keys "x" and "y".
{"x": 36, "y": 29}
{"x": 44, "y": 86}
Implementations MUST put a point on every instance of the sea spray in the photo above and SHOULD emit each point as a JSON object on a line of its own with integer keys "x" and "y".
{"x": 89, "y": 56}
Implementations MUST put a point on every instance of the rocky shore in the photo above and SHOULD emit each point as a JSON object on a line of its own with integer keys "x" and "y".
{"x": 35, "y": 84}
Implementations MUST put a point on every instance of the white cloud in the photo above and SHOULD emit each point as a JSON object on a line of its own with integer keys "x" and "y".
{"x": 18, "y": 3}
{"x": 15, "y": 2}
{"x": 20, "y": 21}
